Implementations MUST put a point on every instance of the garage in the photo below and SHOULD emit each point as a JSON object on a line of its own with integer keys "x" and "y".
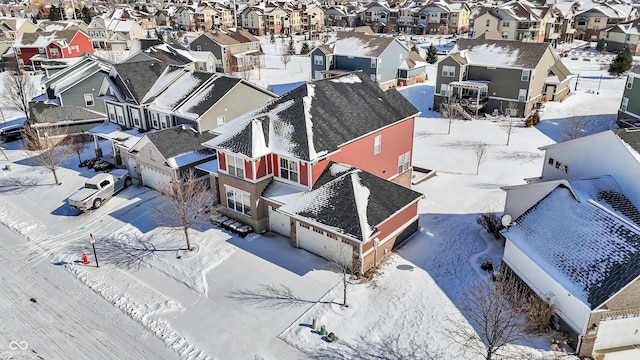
{"x": 615, "y": 333}
{"x": 153, "y": 178}
{"x": 320, "y": 244}
{"x": 279, "y": 222}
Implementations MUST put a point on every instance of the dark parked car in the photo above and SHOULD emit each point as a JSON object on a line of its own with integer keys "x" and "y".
{"x": 11, "y": 134}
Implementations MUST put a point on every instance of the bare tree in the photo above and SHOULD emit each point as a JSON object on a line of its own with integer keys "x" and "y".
{"x": 181, "y": 203}
{"x": 480, "y": 149}
{"x": 285, "y": 58}
{"x": 496, "y": 311}
{"x": 508, "y": 121}
{"x": 448, "y": 108}
{"x": 46, "y": 146}
{"x": 341, "y": 258}
{"x": 574, "y": 128}
{"x": 77, "y": 143}
{"x": 18, "y": 90}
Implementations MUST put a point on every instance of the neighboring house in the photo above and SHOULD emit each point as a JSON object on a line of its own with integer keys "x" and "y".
{"x": 629, "y": 111}
{"x": 560, "y": 27}
{"x": 378, "y": 57}
{"x": 483, "y": 76}
{"x": 160, "y": 156}
{"x": 312, "y": 17}
{"x": 172, "y": 54}
{"x": 13, "y": 28}
{"x": 32, "y": 48}
{"x": 78, "y": 84}
{"x": 440, "y": 17}
{"x": 376, "y": 15}
{"x": 412, "y": 70}
{"x": 591, "y": 17}
{"x": 622, "y": 35}
{"x": 514, "y": 20}
{"x": 185, "y": 18}
{"x": 235, "y": 50}
{"x": 72, "y": 119}
{"x": 114, "y": 34}
{"x": 48, "y": 25}
{"x": 338, "y": 15}
{"x": 575, "y": 244}
{"x": 270, "y": 156}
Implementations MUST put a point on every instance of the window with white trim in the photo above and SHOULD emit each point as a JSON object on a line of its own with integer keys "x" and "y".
{"x": 155, "y": 120}
{"x": 220, "y": 120}
{"x": 18, "y": 51}
{"x": 88, "y": 100}
{"x": 373, "y": 77}
{"x": 41, "y": 50}
{"x": 54, "y": 52}
{"x": 289, "y": 169}
{"x": 199, "y": 48}
{"x": 505, "y": 34}
{"x": 505, "y": 24}
{"x": 318, "y": 60}
{"x": 629, "y": 82}
{"x": 443, "y": 89}
{"x": 235, "y": 166}
{"x": 522, "y": 95}
{"x": 403, "y": 162}
{"x": 525, "y": 75}
{"x": 374, "y": 63}
{"x": 625, "y": 103}
{"x": 377, "y": 144}
{"x": 449, "y": 71}
{"x": 488, "y": 22}
{"x": 238, "y": 200}
{"x": 135, "y": 115}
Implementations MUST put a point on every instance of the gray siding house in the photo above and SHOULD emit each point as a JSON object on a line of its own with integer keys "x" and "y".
{"x": 629, "y": 111}
{"x": 500, "y": 76}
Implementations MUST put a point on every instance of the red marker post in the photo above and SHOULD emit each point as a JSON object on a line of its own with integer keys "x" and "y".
{"x": 92, "y": 240}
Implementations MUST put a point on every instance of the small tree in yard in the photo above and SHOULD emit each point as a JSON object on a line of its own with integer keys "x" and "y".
{"x": 342, "y": 260}
{"x": 77, "y": 143}
{"x": 491, "y": 222}
{"x": 480, "y": 149}
{"x": 291, "y": 49}
{"x": 507, "y": 123}
{"x": 305, "y": 48}
{"x": 18, "y": 90}
{"x": 600, "y": 45}
{"x": 448, "y": 108}
{"x": 181, "y": 203}
{"x": 575, "y": 127}
{"x": 46, "y": 147}
{"x": 285, "y": 58}
{"x": 496, "y": 311}
{"x": 621, "y": 63}
{"x": 432, "y": 55}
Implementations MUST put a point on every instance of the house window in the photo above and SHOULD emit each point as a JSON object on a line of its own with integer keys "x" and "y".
{"x": 167, "y": 121}
{"x": 373, "y": 77}
{"x": 625, "y": 103}
{"x": 235, "y": 166}
{"x": 505, "y": 24}
{"x": 151, "y": 155}
{"x": 629, "y": 82}
{"x": 551, "y": 161}
{"x": 41, "y": 50}
{"x": 443, "y": 89}
{"x": 449, "y": 71}
{"x": 377, "y": 144}
{"x": 135, "y": 115}
{"x": 154, "y": 120}
{"x": 238, "y": 200}
{"x": 220, "y": 120}
{"x": 289, "y": 169}
{"x": 18, "y": 51}
{"x": 54, "y": 52}
{"x": 88, "y": 100}
{"x": 403, "y": 162}
{"x": 504, "y": 34}
{"x": 596, "y": 20}
{"x": 522, "y": 95}
{"x": 488, "y": 23}
{"x": 199, "y": 48}
{"x": 565, "y": 169}
{"x": 318, "y": 60}
{"x": 525, "y": 75}
{"x": 374, "y": 63}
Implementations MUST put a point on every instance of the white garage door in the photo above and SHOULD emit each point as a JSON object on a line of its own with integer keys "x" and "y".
{"x": 618, "y": 333}
{"x": 131, "y": 166}
{"x": 153, "y": 178}
{"x": 320, "y": 244}
{"x": 278, "y": 222}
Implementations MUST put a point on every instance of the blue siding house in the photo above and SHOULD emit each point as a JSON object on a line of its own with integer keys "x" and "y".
{"x": 379, "y": 57}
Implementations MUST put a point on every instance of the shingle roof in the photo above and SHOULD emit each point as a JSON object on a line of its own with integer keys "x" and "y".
{"x": 508, "y": 53}
{"x": 360, "y": 44}
{"x": 231, "y": 37}
{"x": 45, "y": 113}
{"x": 630, "y": 136}
{"x": 316, "y": 118}
{"x": 178, "y": 140}
{"x": 590, "y": 245}
{"x": 138, "y": 77}
{"x": 204, "y": 100}
{"x": 351, "y": 201}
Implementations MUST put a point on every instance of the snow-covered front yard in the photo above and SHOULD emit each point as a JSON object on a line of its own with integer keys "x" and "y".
{"x": 256, "y": 297}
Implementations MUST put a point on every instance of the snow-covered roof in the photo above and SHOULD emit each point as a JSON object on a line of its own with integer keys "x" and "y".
{"x": 114, "y": 132}
{"x": 500, "y": 53}
{"x": 589, "y": 244}
{"x": 359, "y": 44}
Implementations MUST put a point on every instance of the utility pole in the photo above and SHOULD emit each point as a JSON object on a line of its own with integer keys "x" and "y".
{"x": 92, "y": 240}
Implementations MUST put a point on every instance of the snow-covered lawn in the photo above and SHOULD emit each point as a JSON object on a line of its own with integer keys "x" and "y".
{"x": 216, "y": 302}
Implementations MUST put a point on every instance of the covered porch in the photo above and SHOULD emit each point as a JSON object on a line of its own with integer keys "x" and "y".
{"x": 470, "y": 94}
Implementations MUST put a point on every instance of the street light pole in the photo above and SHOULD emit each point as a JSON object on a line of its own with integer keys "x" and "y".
{"x": 92, "y": 240}
{"x": 577, "y": 78}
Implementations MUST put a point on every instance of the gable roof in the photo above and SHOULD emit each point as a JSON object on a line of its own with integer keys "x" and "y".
{"x": 138, "y": 77}
{"x": 42, "y": 113}
{"x": 351, "y": 201}
{"x": 501, "y": 53}
{"x": 360, "y": 44}
{"x": 44, "y": 38}
{"x": 204, "y": 99}
{"x": 315, "y": 119}
{"x": 231, "y": 36}
{"x": 589, "y": 244}
{"x": 179, "y": 90}
{"x": 178, "y": 140}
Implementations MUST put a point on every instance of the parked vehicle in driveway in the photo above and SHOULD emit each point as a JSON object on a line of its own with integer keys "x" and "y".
{"x": 11, "y": 133}
{"x": 99, "y": 188}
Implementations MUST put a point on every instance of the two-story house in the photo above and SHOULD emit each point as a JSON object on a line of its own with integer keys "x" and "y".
{"x": 376, "y": 15}
{"x": 440, "y": 17}
{"x": 514, "y": 20}
{"x": 378, "y": 57}
{"x": 482, "y": 75}
{"x": 284, "y": 155}
{"x": 591, "y": 17}
{"x": 114, "y": 34}
{"x": 629, "y": 111}
{"x": 13, "y": 28}
{"x": 32, "y": 48}
{"x": 235, "y": 49}
{"x": 622, "y": 35}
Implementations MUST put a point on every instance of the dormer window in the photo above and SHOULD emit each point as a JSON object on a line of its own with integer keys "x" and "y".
{"x": 289, "y": 169}
{"x": 235, "y": 166}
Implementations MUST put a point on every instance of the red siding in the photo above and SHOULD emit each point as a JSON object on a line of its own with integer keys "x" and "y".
{"x": 54, "y": 46}
{"x": 248, "y": 169}
{"x": 317, "y": 169}
{"x": 261, "y": 167}
{"x": 222, "y": 161}
{"x": 84, "y": 46}
{"x": 269, "y": 164}
{"x": 275, "y": 165}
{"x": 396, "y": 140}
{"x": 304, "y": 173}
{"x": 26, "y": 54}
{"x": 393, "y": 223}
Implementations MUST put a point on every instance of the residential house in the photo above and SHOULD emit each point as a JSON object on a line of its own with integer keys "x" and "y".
{"x": 32, "y": 48}
{"x": 514, "y": 20}
{"x": 339, "y": 15}
{"x": 591, "y": 17}
{"x": 114, "y": 34}
{"x": 574, "y": 243}
{"x": 376, "y": 15}
{"x": 266, "y": 18}
{"x": 629, "y": 111}
{"x": 487, "y": 76}
{"x": 204, "y": 17}
{"x": 284, "y": 155}
{"x": 440, "y": 17}
{"x": 185, "y": 18}
{"x": 172, "y": 54}
{"x": 49, "y": 25}
{"x": 163, "y": 155}
{"x": 560, "y": 27}
{"x": 71, "y": 119}
{"x": 378, "y": 57}
{"x": 13, "y": 28}
{"x": 622, "y": 35}
{"x": 235, "y": 50}
{"x": 412, "y": 70}
{"x": 312, "y": 17}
